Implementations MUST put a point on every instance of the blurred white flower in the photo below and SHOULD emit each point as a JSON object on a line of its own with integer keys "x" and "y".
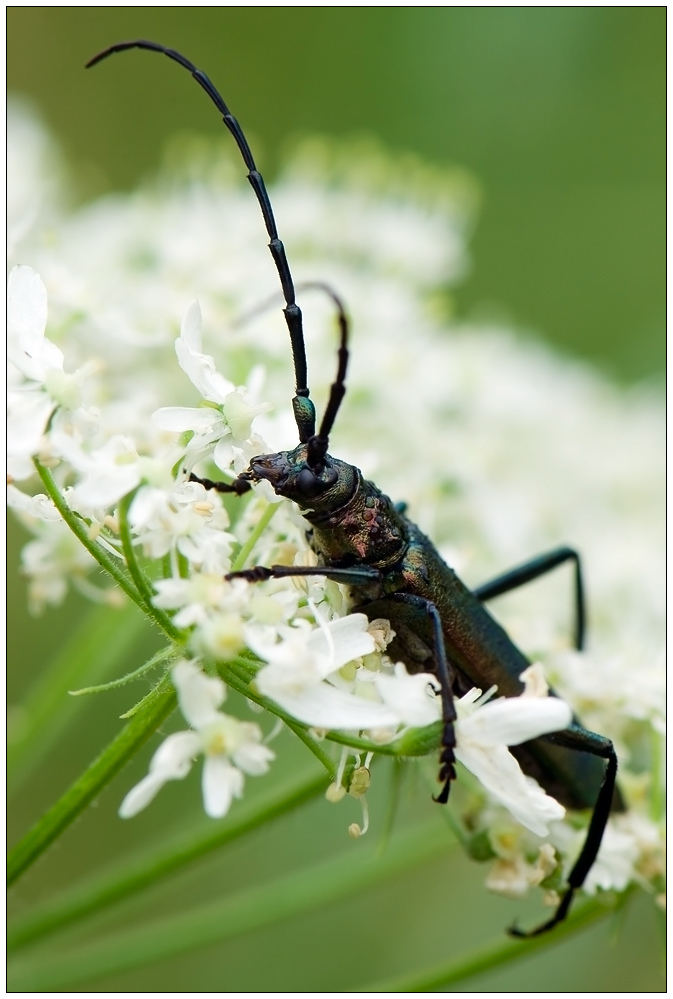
{"x": 38, "y": 383}
{"x": 231, "y": 748}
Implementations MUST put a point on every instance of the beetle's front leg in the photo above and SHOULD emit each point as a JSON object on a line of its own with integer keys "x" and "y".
{"x": 447, "y": 758}
{"x": 239, "y": 485}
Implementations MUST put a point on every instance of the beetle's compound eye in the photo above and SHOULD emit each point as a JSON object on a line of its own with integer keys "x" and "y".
{"x": 311, "y": 485}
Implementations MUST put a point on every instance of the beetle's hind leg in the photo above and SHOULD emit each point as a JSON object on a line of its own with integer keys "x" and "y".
{"x": 580, "y": 739}
{"x": 447, "y": 758}
{"x": 533, "y": 569}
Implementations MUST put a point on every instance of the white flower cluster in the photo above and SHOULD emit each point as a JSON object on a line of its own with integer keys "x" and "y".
{"x": 500, "y": 449}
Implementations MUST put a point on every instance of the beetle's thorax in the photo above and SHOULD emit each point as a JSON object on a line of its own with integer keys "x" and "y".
{"x": 367, "y": 528}
{"x": 352, "y": 521}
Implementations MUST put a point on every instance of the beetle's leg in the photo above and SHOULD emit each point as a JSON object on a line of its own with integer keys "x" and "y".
{"x": 447, "y": 758}
{"x": 576, "y": 737}
{"x": 238, "y": 486}
{"x": 355, "y": 576}
{"x": 529, "y": 571}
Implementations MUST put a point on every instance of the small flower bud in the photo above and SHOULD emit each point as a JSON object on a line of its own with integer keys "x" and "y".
{"x": 335, "y": 792}
{"x": 354, "y": 830}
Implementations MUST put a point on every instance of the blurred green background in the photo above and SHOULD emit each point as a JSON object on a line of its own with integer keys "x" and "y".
{"x": 559, "y": 112}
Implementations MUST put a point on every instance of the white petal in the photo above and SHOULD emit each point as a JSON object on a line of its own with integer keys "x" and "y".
{"x": 223, "y": 455}
{"x": 513, "y": 720}
{"x": 200, "y": 696}
{"x": 503, "y": 778}
{"x": 27, "y": 418}
{"x": 172, "y": 761}
{"x": 141, "y": 795}
{"x": 174, "y": 757}
{"x": 412, "y": 698}
{"x": 253, "y": 758}
{"x": 181, "y": 418}
{"x": 190, "y": 330}
{"x": 324, "y": 706}
{"x": 26, "y": 309}
{"x": 102, "y": 488}
{"x": 220, "y": 783}
{"x": 339, "y": 641}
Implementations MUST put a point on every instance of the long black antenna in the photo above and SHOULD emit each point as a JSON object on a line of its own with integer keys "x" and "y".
{"x": 304, "y": 411}
{"x": 318, "y": 443}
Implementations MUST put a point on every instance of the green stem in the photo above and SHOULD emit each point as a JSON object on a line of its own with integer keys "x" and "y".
{"x": 148, "y": 868}
{"x": 100, "y": 643}
{"x": 203, "y": 925}
{"x": 491, "y": 955}
{"x": 255, "y": 535}
{"x": 104, "y": 559}
{"x": 91, "y": 782}
{"x": 139, "y": 578}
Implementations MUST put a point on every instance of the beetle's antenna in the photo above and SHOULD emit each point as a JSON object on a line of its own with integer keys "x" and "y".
{"x": 318, "y": 443}
{"x": 304, "y": 411}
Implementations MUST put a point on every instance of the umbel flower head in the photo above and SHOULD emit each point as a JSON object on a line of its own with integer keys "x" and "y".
{"x": 130, "y": 368}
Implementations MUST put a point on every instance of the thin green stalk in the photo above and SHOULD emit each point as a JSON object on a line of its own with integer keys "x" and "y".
{"x": 91, "y": 782}
{"x": 255, "y": 535}
{"x": 104, "y": 559}
{"x": 101, "y": 642}
{"x": 140, "y": 872}
{"x": 492, "y": 955}
{"x": 156, "y": 660}
{"x": 139, "y": 578}
{"x": 248, "y": 910}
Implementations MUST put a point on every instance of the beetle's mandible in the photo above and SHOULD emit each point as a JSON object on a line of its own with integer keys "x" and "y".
{"x": 395, "y": 572}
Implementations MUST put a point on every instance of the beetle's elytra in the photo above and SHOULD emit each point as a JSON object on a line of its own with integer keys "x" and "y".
{"x": 366, "y": 542}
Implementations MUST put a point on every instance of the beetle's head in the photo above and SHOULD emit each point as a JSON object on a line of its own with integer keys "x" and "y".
{"x": 322, "y": 487}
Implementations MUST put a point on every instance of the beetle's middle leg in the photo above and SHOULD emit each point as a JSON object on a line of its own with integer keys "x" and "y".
{"x": 447, "y": 757}
{"x": 533, "y": 569}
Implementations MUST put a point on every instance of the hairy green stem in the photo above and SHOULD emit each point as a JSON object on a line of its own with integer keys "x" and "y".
{"x": 260, "y": 906}
{"x": 140, "y": 872}
{"x": 92, "y": 781}
{"x": 139, "y": 578}
{"x": 101, "y": 642}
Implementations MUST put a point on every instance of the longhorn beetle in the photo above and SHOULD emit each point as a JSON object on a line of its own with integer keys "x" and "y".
{"x": 363, "y": 540}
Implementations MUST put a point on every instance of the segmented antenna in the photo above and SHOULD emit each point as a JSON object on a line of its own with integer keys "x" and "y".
{"x": 304, "y": 411}
{"x": 318, "y": 443}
